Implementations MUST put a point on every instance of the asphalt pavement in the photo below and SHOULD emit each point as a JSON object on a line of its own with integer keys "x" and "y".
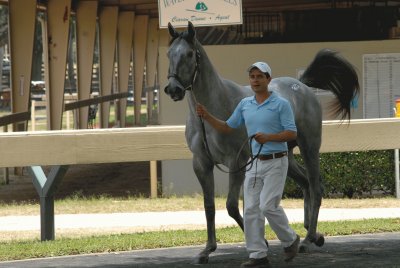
{"x": 371, "y": 250}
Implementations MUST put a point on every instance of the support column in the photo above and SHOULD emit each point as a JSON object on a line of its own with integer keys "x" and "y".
{"x": 151, "y": 71}
{"x": 396, "y": 171}
{"x": 153, "y": 179}
{"x": 22, "y": 21}
{"x": 126, "y": 21}
{"x": 46, "y": 188}
{"x": 151, "y": 65}
{"x": 140, "y": 39}
{"x": 108, "y": 21}
{"x": 55, "y": 58}
{"x": 86, "y": 15}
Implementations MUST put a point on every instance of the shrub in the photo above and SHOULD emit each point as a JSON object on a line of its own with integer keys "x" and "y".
{"x": 352, "y": 174}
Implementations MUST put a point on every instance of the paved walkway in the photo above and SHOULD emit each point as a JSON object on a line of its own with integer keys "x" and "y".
{"x": 173, "y": 220}
{"x": 363, "y": 251}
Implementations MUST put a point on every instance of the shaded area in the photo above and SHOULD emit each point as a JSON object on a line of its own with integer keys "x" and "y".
{"x": 114, "y": 179}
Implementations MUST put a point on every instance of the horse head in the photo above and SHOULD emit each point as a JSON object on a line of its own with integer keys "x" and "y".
{"x": 183, "y": 62}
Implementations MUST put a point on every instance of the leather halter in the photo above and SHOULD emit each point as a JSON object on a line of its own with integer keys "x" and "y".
{"x": 196, "y": 70}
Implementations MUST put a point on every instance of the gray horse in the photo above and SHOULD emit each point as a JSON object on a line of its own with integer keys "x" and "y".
{"x": 190, "y": 70}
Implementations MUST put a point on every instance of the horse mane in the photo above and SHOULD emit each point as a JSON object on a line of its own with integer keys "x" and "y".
{"x": 330, "y": 71}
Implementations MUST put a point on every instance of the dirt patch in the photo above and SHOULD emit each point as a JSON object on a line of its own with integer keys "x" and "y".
{"x": 116, "y": 179}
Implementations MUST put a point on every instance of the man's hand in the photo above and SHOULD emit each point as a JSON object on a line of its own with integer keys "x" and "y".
{"x": 261, "y": 138}
{"x": 202, "y": 111}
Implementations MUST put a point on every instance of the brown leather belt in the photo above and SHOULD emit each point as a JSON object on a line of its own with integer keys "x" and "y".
{"x": 271, "y": 156}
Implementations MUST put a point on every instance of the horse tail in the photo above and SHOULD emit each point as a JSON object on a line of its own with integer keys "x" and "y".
{"x": 330, "y": 71}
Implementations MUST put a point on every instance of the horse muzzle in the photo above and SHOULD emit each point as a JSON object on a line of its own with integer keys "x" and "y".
{"x": 175, "y": 91}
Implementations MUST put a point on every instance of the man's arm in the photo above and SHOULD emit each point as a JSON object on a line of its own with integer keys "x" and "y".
{"x": 216, "y": 123}
{"x": 284, "y": 136}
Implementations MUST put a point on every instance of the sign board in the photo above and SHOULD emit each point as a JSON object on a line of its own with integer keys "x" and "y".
{"x": 200, "y": 13}
{"x": 381, "y": 84}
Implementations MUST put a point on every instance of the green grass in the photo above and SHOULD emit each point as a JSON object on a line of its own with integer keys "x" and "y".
{"x": 78, "y": 204}
{"x": 24, "y": 249}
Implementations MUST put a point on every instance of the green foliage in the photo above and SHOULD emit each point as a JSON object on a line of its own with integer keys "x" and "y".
{"x": 353, "y": 174}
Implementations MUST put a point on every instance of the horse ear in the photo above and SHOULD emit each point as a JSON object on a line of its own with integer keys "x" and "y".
{"x": 191, "y": 31}
{"x": 174, "y": 34}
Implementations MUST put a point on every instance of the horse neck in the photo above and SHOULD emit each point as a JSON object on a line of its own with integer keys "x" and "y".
{"x": 208, "y": 84}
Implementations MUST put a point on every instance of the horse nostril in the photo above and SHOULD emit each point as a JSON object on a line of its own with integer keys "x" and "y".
{"x": 166, "y": 90}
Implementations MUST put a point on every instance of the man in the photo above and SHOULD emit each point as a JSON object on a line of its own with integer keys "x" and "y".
{"x": 269, "y": 118}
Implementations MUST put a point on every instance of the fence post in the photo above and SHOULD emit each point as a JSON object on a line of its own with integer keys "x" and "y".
{"x": 6, "y": 172}
{"x": 6, "y": 176}
{"x": 33, "y": 119}
{"x": 46, "y": 186}
{"x": 396, "y": 152}
{"x": 68, "y": 118}
{"x": 153, "y": 179}
{"x": 396, "y": 168}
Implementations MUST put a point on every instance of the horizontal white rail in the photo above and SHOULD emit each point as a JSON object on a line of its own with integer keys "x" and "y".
{"x": 69, "y": 147}
{"x": 361, "y": 135}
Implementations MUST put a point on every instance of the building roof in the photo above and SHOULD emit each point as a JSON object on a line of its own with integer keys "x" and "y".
{"x": 150, "y": 7}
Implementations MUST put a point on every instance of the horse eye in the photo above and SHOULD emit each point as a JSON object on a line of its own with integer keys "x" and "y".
{"x": 190, "y": 54}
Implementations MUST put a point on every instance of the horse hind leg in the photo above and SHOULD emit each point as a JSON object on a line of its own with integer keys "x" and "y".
{"x": 298, "y": 173}
{"x": 311, "y": 162}
{"x": 204, "y": 173}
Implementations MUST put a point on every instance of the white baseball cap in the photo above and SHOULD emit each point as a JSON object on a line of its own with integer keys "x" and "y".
{"x": 262, "y": 66}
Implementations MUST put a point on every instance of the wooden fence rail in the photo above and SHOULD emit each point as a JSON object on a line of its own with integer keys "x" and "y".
{"x": 89, "y": 146}
{"x": 13, "y": 118}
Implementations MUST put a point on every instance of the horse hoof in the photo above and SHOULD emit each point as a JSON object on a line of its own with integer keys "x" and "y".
{"x": 200, "y": 259}
{"x": 304, "y": 249}
{"x": 320, "y": 240}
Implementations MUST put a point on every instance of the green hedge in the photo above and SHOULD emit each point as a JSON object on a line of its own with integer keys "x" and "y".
{"x": 352, "y": 174}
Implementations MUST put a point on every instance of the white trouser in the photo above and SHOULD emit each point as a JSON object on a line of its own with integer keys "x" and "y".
{"x": 263, "y": 188}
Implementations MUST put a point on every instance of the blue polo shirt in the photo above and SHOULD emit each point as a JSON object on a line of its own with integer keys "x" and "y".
{"x": 274, "y": 115}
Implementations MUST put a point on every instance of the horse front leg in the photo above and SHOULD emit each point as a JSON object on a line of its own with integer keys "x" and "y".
{"x": 311, "y": 162}
{"x": 204, "y": 172}
{"x": 232, "y": 203}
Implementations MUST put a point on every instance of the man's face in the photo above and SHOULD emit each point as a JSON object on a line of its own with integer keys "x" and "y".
{"x": 258, "y": 80}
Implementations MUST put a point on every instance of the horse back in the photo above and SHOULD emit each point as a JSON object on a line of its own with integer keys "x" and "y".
{"x": 305, "y": 104}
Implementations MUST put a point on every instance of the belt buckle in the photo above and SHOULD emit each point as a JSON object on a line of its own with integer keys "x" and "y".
{"x": 278, "y": 155}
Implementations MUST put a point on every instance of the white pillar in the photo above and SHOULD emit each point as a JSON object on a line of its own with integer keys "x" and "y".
{"x": 396, "y": 168}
